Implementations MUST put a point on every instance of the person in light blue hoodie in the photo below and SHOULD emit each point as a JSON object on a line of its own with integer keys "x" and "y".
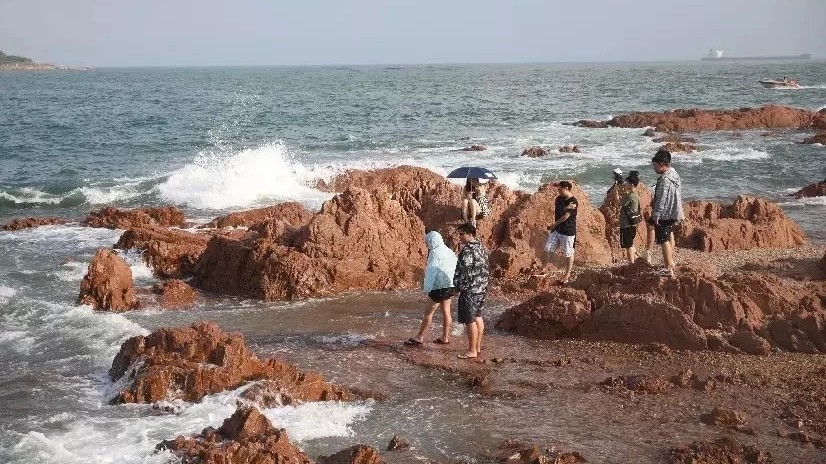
{"x": 438, "y": 284}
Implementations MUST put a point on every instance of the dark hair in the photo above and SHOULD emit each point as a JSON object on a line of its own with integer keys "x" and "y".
{"x": 467, "y": 228}
{"x": 566, "y": 185}
{"x": 468, "y": 185}
{"x": 633, "y": 178}
{"x": 662, "y": 156}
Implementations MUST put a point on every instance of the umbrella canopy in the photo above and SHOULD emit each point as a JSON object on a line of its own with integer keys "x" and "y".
{"x": 471, "y": 172}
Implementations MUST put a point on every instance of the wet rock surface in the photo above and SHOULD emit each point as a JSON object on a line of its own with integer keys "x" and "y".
{"x": 175, "y": 294}
{"x": 817, "y": 189}
{"x": 475, "y": 147}
{"x": 169, "y": 252}
{"x": 114, "y": 218}
{"x": 722, "y": 451}
{"x": 675, "y": 147}
{"x": 695, "y": 120}
{"x": 514, "y": 452}
{"x": 570, "y": 149}
{"x": 534, "y": 152}
{"x": 31, "y": 222}
{"x": 108, "y": 283}
{"x": 358, "y": 454}
{"x": 817, "y": 138}
{"x": 189, "y": 363}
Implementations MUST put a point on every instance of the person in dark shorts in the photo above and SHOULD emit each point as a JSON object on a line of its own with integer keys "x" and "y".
{"x": 471, "y": 281}
{"x": 668, "y": 206}
{"x": 563, "y": 230}
{"x": 630, "y": 215}
{"x": 438, "y": 284}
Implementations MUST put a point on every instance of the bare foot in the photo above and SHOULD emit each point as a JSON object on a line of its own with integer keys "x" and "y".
{"x": 468, "y": 355}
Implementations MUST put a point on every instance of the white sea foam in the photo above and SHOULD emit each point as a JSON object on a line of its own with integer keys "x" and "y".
{"x": 731, "y": 153}
{"x": 251, "y": 176}
{"x": 131, "y": 435}
{"x": 6, "y": 292}
{"x": 71, "y": 271}
{"x": 811, "y": 201}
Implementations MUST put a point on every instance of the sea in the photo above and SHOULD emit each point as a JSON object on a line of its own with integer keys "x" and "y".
{"x": 219, "y": 139}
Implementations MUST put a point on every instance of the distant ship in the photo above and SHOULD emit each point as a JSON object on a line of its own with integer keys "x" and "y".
{"x": 717, "y": 55}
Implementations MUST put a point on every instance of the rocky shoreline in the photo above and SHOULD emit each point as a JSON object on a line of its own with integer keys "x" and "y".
{"x": 742, "y": 328}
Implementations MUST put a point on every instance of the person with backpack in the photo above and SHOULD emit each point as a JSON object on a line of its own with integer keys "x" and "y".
{"x": 630, "y": 215}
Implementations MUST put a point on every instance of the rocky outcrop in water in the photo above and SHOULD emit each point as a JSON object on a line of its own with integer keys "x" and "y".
{"x": 245, "y": 437}
{"x": 191, "y": 362}
{"x": 818, "y": 189}
{"x": 633, "y": 304}
{"x": 170, "y": 252}
{"x": 475, "y": 147}
{"x": 695, "y": 120}
{"x": 675, "y": 147}
{"x": 358, "y": 454}
{"x": 114, "y": 218}
{"x": 817, "y": 138}
{"x": 675, "y": 138}
{"x": 31, "y": 222}
{"x": 108, "y": 283}
{"x": 291, "y": 212}
{"x": 534, "y": 152}
{"x": 175, "y": 294}
{"x": 569, "y": 149}
{"x": 748, "y": 223}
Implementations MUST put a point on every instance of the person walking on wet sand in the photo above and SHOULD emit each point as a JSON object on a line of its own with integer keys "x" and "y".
{"x": 563, "y": 230}
{"x": 668, "y": 206}
{"x": 438, "y": 284}
{"x": 471, "y": 281}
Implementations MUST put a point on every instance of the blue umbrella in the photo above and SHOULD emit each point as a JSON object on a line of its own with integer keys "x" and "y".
{"x": 471, "y": 172}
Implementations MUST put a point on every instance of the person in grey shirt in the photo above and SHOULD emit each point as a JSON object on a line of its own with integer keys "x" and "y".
{"x": 668, "y": 206}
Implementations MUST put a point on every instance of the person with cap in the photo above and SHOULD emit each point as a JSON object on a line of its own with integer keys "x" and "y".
{"x": 668, "y": 206}
{"x": 630, "y": 214}
{"x": 475, "y": 204}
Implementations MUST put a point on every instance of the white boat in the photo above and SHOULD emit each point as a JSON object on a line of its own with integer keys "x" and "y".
{"x": 780, "y": 83}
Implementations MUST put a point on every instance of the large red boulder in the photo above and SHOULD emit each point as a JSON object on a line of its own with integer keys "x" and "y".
{"x": 28, "y": 223}
{"x": 818, "y": 189}
{"x": 245, "y": 437}
{"x": 358, "y": 454}
{"x": 113, "y": 218}
{"x": 170, "y": 252}
{"x": 108, "y": 283}
{"x": 694, "y": 120}
{"x": 359, "y": 240}
{"x": 191, "y": 362}
{"x": 558, "y": 313}
{"x": 291, "y": 212}
{"x": 723, "y": 450}
{"x": 748, "y": 223}
{"x": 175, "y": 294}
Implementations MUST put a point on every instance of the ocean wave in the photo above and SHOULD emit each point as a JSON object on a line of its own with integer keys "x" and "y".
{"x": 246, "y": 178}
{"x": 723, "y": 154}
{"x": 91, "y": 195}
{"x": 807, "y": 201}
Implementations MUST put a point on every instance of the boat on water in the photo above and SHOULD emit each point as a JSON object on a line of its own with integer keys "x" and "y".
{"x": 784, "y": 83}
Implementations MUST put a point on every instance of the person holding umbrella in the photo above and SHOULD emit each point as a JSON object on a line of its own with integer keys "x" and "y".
{"x": 475, "y": 204}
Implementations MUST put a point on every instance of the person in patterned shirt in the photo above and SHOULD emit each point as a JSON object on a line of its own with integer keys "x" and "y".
{"x": 471, "y": 281}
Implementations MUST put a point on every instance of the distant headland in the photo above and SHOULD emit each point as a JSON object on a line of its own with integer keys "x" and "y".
{"x": 27, "y": 64}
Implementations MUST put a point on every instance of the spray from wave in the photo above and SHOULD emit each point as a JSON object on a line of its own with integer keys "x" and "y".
{"x": 251, "y": 176}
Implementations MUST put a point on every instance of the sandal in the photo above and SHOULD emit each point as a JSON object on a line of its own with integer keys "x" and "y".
{"x": 441, "y": 341}
{"x": 412, "y": 342}
{"x": 464, "y": 356}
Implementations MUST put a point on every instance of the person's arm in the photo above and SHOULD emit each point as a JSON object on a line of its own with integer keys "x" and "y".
{"x": 564, "y": 216}
{"x": 659, "y": 201}
{"x": 460, "y": 277}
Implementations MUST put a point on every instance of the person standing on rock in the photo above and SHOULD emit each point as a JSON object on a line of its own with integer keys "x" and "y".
{"x": 563, "y": 230}
{"x": 475, "y": 204}
{"x": 630, "y": 215}
{"x": 438, "y": 284}
{"x": 668, "y": 206}
{"x": 471, "y": 281}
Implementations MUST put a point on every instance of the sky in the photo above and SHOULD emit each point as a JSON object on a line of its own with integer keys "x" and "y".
{"x": 322, "y": 32}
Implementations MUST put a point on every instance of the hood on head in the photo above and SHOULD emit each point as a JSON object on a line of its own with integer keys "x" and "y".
{"x": 434, "y": 240}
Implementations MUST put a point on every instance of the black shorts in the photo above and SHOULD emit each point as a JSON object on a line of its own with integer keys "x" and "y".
{"x": 627, "y": 235}
{"x": 662, "y": 232}
{"x": 470, "y": 306}
{"x": 441, "y": 294}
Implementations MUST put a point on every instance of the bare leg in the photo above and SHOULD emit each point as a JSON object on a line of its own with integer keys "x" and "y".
{"x": 474, "y": 211}
{"x": 480, "y": 325}
{"x": 428, "y": 317}
{"x": 472, "y": 338}
{"x": 568, "y": 268}
{"x": 673, "y": 247}
{"x": 649, "y": 242}
{"x": 668, "y": 256}
{"x": 466, "y": 210}
{"x": 447, "y": 320}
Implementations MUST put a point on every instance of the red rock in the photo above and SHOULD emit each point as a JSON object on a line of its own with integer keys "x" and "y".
{"x": 550, "y": 315}
{"x": 675, "y": 147}
{"x": 398, "y": 444}
{"x": 534, "y": 152}
{"x": 245, "y": 437}
{"x": 175, "y": 294}
{"x": 649, "y": 385}
{"x": 475, "y": 147}
{"x": 723, "y": 451}
{"x": 192, "y": 362}
{"x": 650, "y": 132}
{"x": 170, "y": 252}
{"x": 359, "y": 454}
{"x": 108, "y": 284}
{"x": 28, "y": 223}
{"x": 746, "y": 224}
{"x": 817, "y": 138}
{"x": 750, "y": 343}
{"x": 292, "y": 213}
{"x": 724, "y": 417}
{"x": 818, "y": 189}
{"x": 591, "y": 124}
{"x": 113, "y": 218}
{"x": 569, "y": 149}
{"x": 695, "y": 120}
